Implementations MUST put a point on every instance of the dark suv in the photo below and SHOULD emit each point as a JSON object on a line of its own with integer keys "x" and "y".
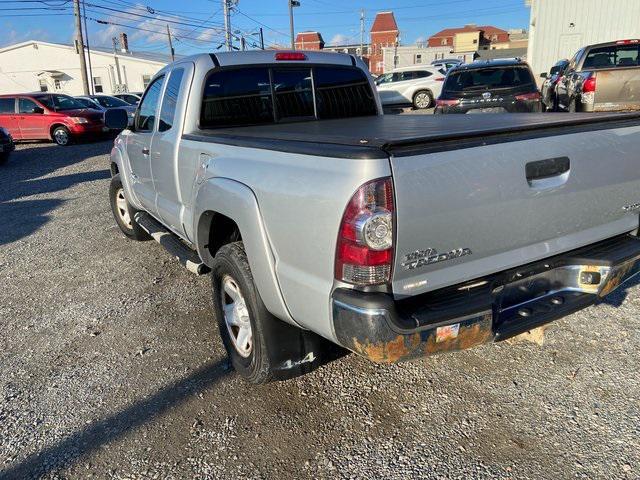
{"x": 490, "y": 86}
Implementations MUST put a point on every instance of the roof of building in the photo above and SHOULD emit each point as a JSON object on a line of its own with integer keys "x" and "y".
{"x": 384, "y": 22}
{"x": 145, "y": 56}
{"x": 502, "y": 53}
{"x": 487, "y": 29}
{"x": 309, "y": 37}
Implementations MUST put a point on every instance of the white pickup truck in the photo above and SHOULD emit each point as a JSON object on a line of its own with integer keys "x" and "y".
{"x": 324, "y": 222}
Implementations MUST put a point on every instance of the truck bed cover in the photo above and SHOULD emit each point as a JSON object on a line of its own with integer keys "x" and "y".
{"x": 380, "y": 136}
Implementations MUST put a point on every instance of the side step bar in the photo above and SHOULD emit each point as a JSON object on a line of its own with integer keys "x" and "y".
{"x": 187, "y": 257}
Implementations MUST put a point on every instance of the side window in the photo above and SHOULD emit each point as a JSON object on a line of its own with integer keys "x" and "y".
{"x": 170, "y": 100}
{"x": 7, "y": 105}
{"x": 146, "y": 118}
{"x": 26, "y": 106}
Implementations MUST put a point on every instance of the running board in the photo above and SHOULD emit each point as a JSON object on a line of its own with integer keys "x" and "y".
{"x": 172, "y": 244}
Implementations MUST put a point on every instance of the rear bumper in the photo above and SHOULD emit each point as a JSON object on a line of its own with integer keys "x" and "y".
{"x": 80, "y": 129}
{"x": 489, "y": 309}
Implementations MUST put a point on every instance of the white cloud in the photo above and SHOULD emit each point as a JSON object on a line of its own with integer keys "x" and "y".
{"x": 339, "y": 39}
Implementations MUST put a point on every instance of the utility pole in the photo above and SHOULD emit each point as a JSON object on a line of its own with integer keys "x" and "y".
{"x": 226, "y": 6}
{"x": 86, "y": 35}
{"x": 80, "y": 46}
{"x": 243, "y": 43}
{"x": 115, "y": 57}
{"x": 171, "y": 50}
{"x": 362, "y": 33}
{"x": 292, "y": 4}
{"x": 261, "y": 39}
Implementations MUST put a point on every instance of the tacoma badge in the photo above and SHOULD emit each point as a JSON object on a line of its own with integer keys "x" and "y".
{"x": 420, "y": 258}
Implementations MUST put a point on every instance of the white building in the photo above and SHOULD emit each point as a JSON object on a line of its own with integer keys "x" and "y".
{"x": 559, "y": 28}
{"x": 406, "y": 56}
{"x": 42, "y": 66}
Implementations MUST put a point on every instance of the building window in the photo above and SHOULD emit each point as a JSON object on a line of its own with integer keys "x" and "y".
{"x": 418, "y": 58}
{"x": 146, "y": 79}
{"x": 443, "y": 41}
{"x": 475, "y": 41}
{"x": 56, "y": 84}
{"x": 43, "y": 86}
{"x": 494, "y": 38}
{"x": 97, "y": 85}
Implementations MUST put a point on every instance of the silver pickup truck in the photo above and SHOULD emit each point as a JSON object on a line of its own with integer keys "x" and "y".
{"x": 325, "y": 224}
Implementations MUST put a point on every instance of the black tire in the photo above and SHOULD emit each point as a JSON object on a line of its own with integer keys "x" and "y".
{"x": 116, "y": 197}
{"x": 61, "y": 136}
{"x": 278, "y": 350}
{"x": 417, "y": 99}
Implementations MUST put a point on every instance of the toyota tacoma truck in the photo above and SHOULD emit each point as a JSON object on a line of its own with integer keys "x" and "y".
{"x": 323, "y": 222}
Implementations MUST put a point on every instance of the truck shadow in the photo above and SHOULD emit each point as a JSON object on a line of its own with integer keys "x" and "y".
{"x": 28, "y": 172}
{"x": 102, "y": 432}
{"x": 618, "y": 297}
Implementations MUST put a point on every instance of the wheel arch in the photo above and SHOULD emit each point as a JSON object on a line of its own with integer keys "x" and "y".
{"x": 225, "y": 211}
{"x": 54, "y": 126}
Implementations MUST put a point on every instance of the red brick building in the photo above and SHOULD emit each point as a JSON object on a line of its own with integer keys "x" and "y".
{"x": 309, "y": 41}
{"x": 384, "y": 33}
{"x": 488, "y": 35}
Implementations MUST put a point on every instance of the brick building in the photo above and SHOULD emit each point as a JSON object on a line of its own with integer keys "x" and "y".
{"x": 309, "y": 41}
{"x": 384, "y": 33}
{"x": 483, "y": 36}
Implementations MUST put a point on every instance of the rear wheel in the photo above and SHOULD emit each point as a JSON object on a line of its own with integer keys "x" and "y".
{"x": 123, "y": 212}
{"x": 422, "y": 99}
{"x": 61, "y": 135}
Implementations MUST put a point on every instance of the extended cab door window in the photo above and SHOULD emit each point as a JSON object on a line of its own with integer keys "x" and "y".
{"x": 170, "y": 100}
{"x": 8, "y": 118}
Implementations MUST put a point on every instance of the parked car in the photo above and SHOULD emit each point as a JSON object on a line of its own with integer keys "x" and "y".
{"x": 417, "y": 86}
{"x": 602, "y": 78}
{"x": 130, "y": 98}
{"x": 6, "y": 145}
{"x": 324, "y": 222}
{"x": 88, "y": 103}
{"x": 107, "y": 102}
{"x": 49, "y": 116}
{"x": 490, "y": 86}
{"x": 548, "y": 89}
{"x": 447, "y": 63}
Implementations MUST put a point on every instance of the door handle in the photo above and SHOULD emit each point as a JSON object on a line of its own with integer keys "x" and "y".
{"x": 548, "y": 173}
{"x": 145, "y": 150}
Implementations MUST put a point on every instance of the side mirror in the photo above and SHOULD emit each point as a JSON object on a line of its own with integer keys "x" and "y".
{"x": 116, "y": 119}
{"x": 544, "y": 75}
{"x": 39, "y": 110}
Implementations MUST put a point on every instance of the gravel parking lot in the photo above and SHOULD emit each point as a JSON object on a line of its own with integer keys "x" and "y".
{"x": 111, "y": 367}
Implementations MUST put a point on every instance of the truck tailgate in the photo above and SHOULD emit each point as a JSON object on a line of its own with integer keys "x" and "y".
{"x": 617, "y": 89}
{"x": 469, "y": 210}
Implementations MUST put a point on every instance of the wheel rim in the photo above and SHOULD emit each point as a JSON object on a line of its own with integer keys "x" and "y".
{"x": 423, "y": 100}
{"x": 123, "y": 208}
{"x": 236, "y": 316}
{"x": 61, "y": 136}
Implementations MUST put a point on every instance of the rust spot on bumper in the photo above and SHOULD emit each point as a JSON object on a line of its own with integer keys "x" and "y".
{"x": 472, "y": 332}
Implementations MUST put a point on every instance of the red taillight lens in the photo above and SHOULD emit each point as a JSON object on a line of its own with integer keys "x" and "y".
{"x": 627, "y": 42}
{"x": 528, "y": 97}
{"x": 439, "y": 79}
{"x": 290, "y": 56}
{"x": 589, "y": 85}
{"x": 447, "y": 103}
{"x": 364, "y": 253}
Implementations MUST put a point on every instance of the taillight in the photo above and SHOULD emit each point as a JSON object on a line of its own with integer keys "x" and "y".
{"x": 447, "y": 103}
{"x": 528, "y": 97}
{"x": 364, "y": 253}
{"x": 290, "y": 56}
{"x": 439, "y": 79}
{"x": 589, "y": 85}
{"x": 627, "y": 42}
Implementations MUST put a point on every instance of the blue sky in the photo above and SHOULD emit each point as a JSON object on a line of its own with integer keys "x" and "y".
{"x": 197, "y": 25}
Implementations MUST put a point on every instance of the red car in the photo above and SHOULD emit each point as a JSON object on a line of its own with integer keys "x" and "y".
{"x": 49, "y": 116}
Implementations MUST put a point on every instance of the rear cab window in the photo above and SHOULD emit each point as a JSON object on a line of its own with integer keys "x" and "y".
{"x": 7, "y": 105}
{"x": 264, "y": 95}
{"x": 489, "y": 78}
{"x": 613, "y": 56}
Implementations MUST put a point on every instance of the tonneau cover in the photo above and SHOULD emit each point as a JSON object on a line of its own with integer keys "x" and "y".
{"x": 362, "y": 136}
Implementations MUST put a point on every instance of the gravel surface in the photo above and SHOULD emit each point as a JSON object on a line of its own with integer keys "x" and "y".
{"x": 111, "y": 367}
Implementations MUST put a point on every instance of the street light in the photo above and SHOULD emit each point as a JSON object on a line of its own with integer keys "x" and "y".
{"x": 292, "y": 3}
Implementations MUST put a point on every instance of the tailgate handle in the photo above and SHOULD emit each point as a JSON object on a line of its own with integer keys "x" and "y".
{"x": 548, "y": 168}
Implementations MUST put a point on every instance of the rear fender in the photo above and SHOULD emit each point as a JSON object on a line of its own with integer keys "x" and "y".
{"x": 238, "y": 202}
